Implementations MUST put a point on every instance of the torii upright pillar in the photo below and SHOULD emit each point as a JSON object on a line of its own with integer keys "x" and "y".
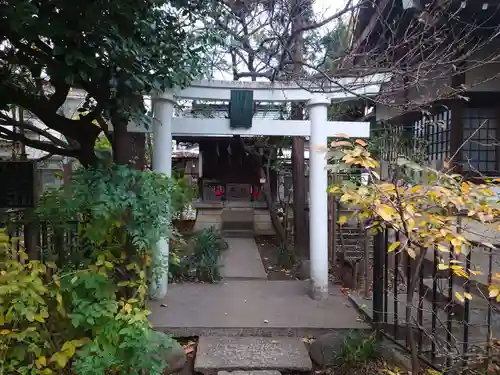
{"x": 318, "y": 201}
{"x": 163, "y": 108}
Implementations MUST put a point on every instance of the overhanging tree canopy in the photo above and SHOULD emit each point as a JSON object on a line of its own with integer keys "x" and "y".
{"x": 114, "y": 50}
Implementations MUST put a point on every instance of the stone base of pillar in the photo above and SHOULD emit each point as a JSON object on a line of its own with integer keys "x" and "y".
{"x": 317, "y": 292}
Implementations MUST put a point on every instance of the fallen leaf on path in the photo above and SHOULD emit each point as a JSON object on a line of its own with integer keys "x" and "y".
{"x": 308, "y": 340}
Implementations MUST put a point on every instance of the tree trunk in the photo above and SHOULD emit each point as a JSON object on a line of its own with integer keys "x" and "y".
{"x": 67, "y": 171}
{"x": 299, "y": 198}
{"x": 300, "y": 10}
{"x": 128, "y": 148}
{"x": 278, "y": 226}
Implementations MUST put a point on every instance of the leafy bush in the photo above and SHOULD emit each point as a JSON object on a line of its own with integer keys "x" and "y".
{"x": 53, "y": 322}
{"x": 119, "y": 210}
{"x": 286, "y": 256}
{"x": 200, "y": 257}
{"x": 357, "y": 350}
{"x": 85, "y": 313}
{"x": 183, "y": 193}
{"x": 112, "y": 199}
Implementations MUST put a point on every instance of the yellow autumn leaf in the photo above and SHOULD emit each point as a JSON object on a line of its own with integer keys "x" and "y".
{"x": 127, "y": 308}
{"x": 415, "y": 189}
{"x": 342, "y": 220}
{"x": 333, "y": 189}
{"x": 4, "y": 332}
{"x": 57, "y": 281}
{"x": 41, "y": 362}
{"x": 459, "y": 297}
{"x": 442, "y": 248}
{"x": 468, "y": 296}
{"x": 411, "y": 224}
{"x": 494, "y": 292}
{"x": 460, "y": 272}
{"x": 465, "y": 187}
{"x": 456, "y": 242}
{"x": 376, "y": 175}
{"x": 384, "y": 211}
{"x": 387, "y": 187}
{"x": 411, "y": 253}
{"x": 393, "y": 246}
{"x": 69, "y": 348}
{"x": 60, "y": 358}
{"x": 442, "y": 267}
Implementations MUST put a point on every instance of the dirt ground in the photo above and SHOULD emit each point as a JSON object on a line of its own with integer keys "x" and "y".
{"x": 269, "y": 249}
{"x": 184, "y": 226}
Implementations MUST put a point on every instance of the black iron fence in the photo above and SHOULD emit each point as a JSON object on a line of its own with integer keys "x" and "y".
{"x": 350, "y": 249}
{"x": 40, "y": 240}
{"x": 452, "y": 321}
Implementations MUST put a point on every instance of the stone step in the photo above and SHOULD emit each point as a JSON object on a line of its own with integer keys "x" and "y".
{"x": 259, "y": 372}
{"x": 238, "y": 233}
{"x": 224, "y": 353}
{"x": 237, "y": 225}
{"x": 237, "y": 214}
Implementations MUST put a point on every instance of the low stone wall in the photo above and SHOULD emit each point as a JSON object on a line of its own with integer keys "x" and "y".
{"x": 208, "y": 217}
{"x": 262, "y": 223}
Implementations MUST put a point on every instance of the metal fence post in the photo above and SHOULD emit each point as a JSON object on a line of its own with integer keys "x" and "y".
{"x": 378, "y": 278}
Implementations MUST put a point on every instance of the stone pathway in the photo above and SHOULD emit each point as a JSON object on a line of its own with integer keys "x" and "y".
{"x": 242, "y": 260}
{"x": 251, "y": 308}
{"x": 244, "y": 323}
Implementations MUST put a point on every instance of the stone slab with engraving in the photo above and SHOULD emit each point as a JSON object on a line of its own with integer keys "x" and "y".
{"x": 258, "y": 372}
{"x": 222, "y": 353}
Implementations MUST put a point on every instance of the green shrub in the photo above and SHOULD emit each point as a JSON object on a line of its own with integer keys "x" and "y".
{"x": 207, "y": 249}
{"x": 199, "y": 257}
{"x": 357, "y": 350}
{"x": 53, "y": 323}
{"x": 84, "y": 313}
{"x": 286, "y": 256}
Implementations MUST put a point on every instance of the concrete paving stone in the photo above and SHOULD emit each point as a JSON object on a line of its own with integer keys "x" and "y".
{"x": 225, "y": 353}
{"x": 258, "y": 372}
{"x": 252, "y": 308}
{"x": 242, "y": 260}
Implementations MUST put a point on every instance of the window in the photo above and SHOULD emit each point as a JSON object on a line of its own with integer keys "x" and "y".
{"x": 479, "y": 149}
{"x": 432, "y": 134}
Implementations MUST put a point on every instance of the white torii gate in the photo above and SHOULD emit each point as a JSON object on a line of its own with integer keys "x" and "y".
{"x": 318, "y": 128}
